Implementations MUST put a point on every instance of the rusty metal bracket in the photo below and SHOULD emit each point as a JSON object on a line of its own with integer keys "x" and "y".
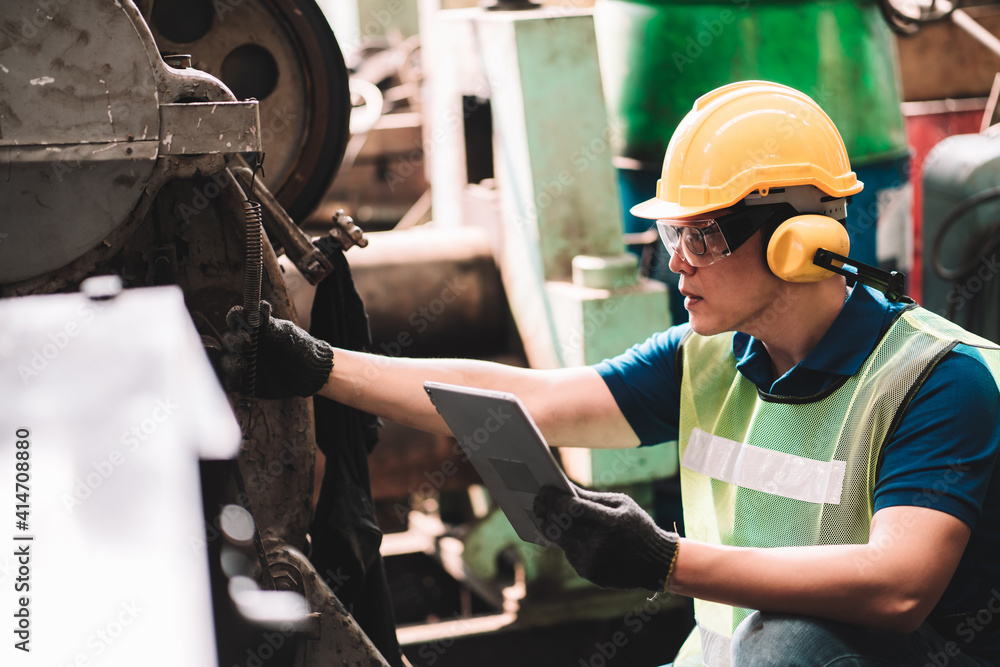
{"x": 336, "y": 638}
{"x": 345, "y": 232}
{"x": 299, "y": 247}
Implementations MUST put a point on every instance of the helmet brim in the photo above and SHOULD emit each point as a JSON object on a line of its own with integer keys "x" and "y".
{"x": 657, "y": 209}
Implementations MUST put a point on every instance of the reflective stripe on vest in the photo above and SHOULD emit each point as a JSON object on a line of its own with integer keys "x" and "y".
{"x": 761, "y": 469}
{"x": 766, "y": 471}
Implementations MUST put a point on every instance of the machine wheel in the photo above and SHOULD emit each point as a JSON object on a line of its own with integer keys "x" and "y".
{"x": 284, "y": 54}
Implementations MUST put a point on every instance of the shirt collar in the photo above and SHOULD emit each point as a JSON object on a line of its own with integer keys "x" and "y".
{"x": 865, "y": 316}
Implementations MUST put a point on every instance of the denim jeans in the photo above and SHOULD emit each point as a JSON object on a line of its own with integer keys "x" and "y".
{"x": 797, "y": 641}
{"x": 781, "y": 640}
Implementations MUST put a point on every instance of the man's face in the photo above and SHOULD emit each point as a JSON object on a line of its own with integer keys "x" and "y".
{"x": 738, "y": 293}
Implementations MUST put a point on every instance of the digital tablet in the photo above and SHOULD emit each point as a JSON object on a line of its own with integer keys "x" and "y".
{"x": 508, "y": 451}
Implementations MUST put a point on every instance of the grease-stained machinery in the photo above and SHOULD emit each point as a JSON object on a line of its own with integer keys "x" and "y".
{"x": 121, "y": 160}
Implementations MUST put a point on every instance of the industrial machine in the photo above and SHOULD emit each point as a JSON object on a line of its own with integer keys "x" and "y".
{"x": 123, "y": 157}
{"x": 961, "y": 231}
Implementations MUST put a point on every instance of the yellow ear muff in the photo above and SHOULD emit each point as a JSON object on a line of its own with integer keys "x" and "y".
{"x": 794, "y": 243}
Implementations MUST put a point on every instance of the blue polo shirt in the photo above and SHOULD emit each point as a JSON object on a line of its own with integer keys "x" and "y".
{"x": 941, "y": 456}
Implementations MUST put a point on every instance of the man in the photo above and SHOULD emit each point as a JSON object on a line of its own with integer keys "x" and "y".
{"x": 837, "y": 450}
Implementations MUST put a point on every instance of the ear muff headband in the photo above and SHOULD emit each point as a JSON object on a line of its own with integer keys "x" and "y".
{"x": 794, "y": 243}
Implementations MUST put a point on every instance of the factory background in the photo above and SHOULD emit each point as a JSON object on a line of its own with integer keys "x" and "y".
{"x": 472, "y": 167}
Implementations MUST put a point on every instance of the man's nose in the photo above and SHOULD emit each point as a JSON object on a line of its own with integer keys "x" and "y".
{"x": 678, "y": 263}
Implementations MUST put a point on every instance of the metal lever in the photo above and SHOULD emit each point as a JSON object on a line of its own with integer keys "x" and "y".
{"x": 313, "y": 264}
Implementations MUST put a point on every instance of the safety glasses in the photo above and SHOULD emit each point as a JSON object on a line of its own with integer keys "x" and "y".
{"x": 705, "y": 242}
{"x": 702, "y": 243}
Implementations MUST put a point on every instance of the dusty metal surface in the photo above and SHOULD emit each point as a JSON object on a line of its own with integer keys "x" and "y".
{"x": 84, "y": 141}
{"x": 209, "y": 127}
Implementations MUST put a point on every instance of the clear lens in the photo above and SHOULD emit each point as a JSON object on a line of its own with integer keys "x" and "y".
{"x": 701, "y": 243}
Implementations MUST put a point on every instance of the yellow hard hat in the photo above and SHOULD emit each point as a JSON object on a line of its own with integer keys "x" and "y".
{"x": 747, "y": 136}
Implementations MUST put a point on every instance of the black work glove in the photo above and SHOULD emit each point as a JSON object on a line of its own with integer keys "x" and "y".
{"x": 607, "y": 537}
{"x": 290, "y": 362}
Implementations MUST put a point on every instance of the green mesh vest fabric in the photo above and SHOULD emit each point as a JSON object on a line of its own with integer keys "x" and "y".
{"x": 767, "y": 471}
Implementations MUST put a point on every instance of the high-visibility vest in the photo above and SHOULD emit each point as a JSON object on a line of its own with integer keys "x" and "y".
{"x": 766, "y": 471}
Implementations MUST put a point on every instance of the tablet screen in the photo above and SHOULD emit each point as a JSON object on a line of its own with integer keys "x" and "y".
{"x": 508, "y": 451}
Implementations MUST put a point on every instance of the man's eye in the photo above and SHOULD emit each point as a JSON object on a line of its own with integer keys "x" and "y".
{"x": 695, "y": 241}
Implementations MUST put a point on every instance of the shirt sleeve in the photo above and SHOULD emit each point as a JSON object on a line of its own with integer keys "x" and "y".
{"x": 645, "y": 382}
{"x": 943, "y": 453}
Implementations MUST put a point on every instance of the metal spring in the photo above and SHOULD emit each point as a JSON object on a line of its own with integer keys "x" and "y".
{"x": 251, "y": 289}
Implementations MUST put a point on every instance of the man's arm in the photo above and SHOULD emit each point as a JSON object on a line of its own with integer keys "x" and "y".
{"x": 933, "y": 484}
{"x": 572, "y": 406}
{"x": 891, "y": 583}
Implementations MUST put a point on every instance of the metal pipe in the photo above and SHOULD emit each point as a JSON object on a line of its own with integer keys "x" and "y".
{"x": 976, "y": 30}
{"x": 433, "y": 292}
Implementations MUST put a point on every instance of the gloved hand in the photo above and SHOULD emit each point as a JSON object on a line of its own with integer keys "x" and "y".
{"x": 290, "y": 362}
{"x": 607, "y": 537}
